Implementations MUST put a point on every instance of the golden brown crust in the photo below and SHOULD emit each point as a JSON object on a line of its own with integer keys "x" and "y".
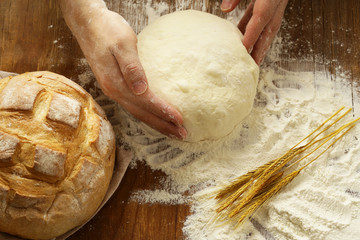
{"x": 57, "y": 153}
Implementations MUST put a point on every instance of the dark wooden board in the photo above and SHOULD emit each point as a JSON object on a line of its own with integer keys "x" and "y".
{"x": 33, "y": 36}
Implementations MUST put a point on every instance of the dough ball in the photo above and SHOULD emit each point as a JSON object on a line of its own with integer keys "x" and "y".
{"x": 198, "y": 64}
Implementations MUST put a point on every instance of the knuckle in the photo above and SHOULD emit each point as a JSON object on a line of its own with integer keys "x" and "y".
{"x": 261, "y": 16}
{"x": 133, "y": 72}
{"x": 122, "y": 43}
{"x": 124, "y": 39}
{"x": 130, "y": 68}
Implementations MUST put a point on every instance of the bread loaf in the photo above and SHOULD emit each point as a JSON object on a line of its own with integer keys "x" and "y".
{"x": 57, "y": 153}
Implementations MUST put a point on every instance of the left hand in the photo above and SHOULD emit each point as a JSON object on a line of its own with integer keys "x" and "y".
{"x": 260, "y": 24}
{"x": 110, "y": 46}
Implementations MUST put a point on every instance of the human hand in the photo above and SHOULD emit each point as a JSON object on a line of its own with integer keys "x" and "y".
{"x": 109, "y": 45}
{"x": 260, "y": 24}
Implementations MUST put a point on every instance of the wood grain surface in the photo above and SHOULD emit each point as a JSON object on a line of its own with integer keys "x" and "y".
{"x": 33, "y": 36}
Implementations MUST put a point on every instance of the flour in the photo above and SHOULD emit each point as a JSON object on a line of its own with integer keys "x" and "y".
{"x": 323, "y": 202}
{"x": 155, "y": 12}
{"x": 158, "y": 196}
{"x": 288, "y": 106}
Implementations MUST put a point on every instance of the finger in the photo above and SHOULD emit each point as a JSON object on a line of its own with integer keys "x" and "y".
{"x": 228, "y": 5}
{"x": 246, "y": 18}
{"x": 151, "y": 103}
{"x": 263, "y": 12}
{"x": 155, "y": 122}
{"x": 127, "y": 57}
{"x": 114, "y": 86}
{"x": 269, "y": 33}
{"x": 133, "y": 73}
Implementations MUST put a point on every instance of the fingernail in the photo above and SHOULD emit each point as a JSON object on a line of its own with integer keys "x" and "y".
{"x": 139, "y": 87}
{"x": 183, "y": 133}
{"x": 225, "y": 5}
{"x": 175, "y": 120}
{"x": 261, "y": 61}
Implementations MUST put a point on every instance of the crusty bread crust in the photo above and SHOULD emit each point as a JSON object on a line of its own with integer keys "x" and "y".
{"x": 57, "y": 152}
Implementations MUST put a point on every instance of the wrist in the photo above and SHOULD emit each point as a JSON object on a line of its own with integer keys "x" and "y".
{"x": 79, "y": 14}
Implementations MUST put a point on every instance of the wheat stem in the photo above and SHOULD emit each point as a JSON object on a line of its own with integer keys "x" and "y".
{"x": 319, "y": 127}
{"x": 329, "y": 137}
{"x": 263, "y": 178}
{"x": 253, "y": 189}
{"x": 332, "y": 124}
{"x": 336, "y": 139}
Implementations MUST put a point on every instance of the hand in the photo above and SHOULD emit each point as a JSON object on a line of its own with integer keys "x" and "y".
{"x": 260, "y": 24}
{"x": 109, "y": 45}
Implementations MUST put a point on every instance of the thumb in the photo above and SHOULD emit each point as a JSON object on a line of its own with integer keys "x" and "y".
{"x": 132, "y": 69}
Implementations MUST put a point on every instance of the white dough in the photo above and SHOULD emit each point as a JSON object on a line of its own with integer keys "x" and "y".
{"x": 197, "y": 63}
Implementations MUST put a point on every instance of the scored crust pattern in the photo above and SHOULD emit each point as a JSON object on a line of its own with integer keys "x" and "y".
{"x": 56, "y": 155}
{"x": 8, "y": 145}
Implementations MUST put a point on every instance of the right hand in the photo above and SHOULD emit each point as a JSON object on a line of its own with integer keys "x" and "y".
{"x": 260, "y": 24}
{"x": 110, "y": 47}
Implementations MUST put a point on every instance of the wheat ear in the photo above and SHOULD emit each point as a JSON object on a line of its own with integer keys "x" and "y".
{"x": 253, "y": 189}
{"x": 264, "y": 197}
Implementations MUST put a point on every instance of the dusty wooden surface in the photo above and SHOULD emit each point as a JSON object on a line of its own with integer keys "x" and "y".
{"x": 33, "y": 36}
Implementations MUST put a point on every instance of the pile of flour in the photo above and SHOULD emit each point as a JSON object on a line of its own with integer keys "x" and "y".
{"x": 323, "y": 202}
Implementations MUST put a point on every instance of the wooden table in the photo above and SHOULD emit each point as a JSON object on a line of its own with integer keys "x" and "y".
{"x": 33, "y": 36}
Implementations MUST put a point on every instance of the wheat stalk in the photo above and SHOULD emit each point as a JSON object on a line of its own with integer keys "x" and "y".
{"x": 243, "y": 179}
{"x": 254, "y": 205}
{"x": 263, "y": 178}
{"x": 250, "y": 191}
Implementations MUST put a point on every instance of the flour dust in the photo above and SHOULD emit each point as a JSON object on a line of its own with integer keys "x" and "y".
{"x": 323, "y": 202}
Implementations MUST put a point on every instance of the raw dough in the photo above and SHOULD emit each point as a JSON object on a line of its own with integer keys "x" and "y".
{"x": 198, "y": 64}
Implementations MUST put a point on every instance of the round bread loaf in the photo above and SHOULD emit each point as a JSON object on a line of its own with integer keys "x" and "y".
{"x": 57, "y": 153}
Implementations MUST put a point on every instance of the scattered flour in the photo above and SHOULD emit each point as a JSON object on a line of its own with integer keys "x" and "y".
{"x": 323, "y": 202}
{"x": 154, "y": 12}
{"x": 158, "y": 196}
{"x": 86, "y": 77}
